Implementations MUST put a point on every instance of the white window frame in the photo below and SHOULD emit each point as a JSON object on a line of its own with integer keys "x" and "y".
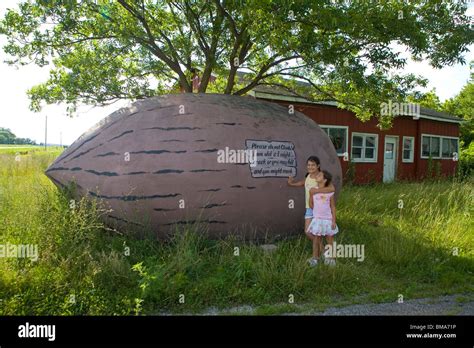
{"x": 347, "y": 136}
{"x": 441, "y": 137}
{"x": 376, "y": 149}
{"x": 412, "y": 152}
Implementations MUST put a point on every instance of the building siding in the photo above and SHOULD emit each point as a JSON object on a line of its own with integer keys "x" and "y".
{"x": 367, "y": 172}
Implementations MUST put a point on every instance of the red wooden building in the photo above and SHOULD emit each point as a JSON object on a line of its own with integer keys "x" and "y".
{"x": 369, "y": 154}
{"x": 402, "y": 152}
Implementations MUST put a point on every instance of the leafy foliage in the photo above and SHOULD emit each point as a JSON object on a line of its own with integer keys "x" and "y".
{"x": 347, "y": 51}
{"x": 462, "y": 105}
{"x": 428, "y": 100}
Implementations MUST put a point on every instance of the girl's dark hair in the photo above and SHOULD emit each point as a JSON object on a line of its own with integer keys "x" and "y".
{"x": 314, "y": 159}
{"x": 327, "y": 176}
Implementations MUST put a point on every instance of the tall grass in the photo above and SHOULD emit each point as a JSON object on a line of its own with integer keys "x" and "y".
{"x": 423, "y": 249}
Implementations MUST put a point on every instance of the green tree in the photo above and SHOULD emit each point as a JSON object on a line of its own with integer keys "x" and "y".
{"x": 24, "y": 141}
{"x": 462, "y": 105}
{"x": 108, "y": 50}
{"x": 6, "y": 136}
{"x": 428, "y": 100}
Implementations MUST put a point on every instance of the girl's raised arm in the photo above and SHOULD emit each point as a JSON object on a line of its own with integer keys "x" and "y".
{"x": 328, "y": 189}
{"x": 292, "y": 182}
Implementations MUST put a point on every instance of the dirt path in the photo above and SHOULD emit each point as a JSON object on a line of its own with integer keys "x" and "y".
{"x": 460, "y": 304}
{"x": 445, "y": 305}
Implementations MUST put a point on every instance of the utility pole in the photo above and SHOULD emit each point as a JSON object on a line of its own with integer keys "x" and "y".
{"x": 61, "y": 139}
{"x": 45, "y": 131}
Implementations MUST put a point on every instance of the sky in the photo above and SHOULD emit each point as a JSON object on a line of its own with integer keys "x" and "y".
{"x": 15, "y": 113}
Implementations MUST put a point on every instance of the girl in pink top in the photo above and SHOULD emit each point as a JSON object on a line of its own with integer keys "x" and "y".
{"x": 313, "y": 167}
{"x": 324, "y": 218}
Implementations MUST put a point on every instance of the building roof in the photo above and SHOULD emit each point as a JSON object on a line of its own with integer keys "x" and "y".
{"x": 440, "y": 115}
{"x": 278, "y": 93}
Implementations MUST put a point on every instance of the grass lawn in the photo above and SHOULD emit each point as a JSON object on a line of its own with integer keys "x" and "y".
{"x": 425, "y": 249}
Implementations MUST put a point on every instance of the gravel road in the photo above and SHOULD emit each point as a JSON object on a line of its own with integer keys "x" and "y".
{"x": 461, "y": 304}
{"x": 445, "y": 305}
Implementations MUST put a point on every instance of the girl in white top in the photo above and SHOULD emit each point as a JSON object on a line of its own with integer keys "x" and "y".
{"x": 313, "y": 167}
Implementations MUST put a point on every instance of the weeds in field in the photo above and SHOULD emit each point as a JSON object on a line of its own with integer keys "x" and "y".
{"x": 422, "y": 249}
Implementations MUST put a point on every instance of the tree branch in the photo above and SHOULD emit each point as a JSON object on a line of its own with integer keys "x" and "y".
{"x": 150, "y": 42}
{"x": 262, "y": 71}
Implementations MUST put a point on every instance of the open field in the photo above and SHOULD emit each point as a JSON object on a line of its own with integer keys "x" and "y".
{"x": 425, "y": 249}
{"x": 26, "y": 149}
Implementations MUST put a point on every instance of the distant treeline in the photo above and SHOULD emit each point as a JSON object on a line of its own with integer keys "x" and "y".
{"x": 7, "y": 137}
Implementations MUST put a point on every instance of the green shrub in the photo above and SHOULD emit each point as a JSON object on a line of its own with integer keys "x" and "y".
{"x": 429, "y": 170}
{"x": 465, "y": 167}
{"x": 350, "y": 173}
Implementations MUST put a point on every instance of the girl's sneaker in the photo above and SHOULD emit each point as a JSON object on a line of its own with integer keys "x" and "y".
{"x": 313, "y": 262}
{"x": 330, "y": 261}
